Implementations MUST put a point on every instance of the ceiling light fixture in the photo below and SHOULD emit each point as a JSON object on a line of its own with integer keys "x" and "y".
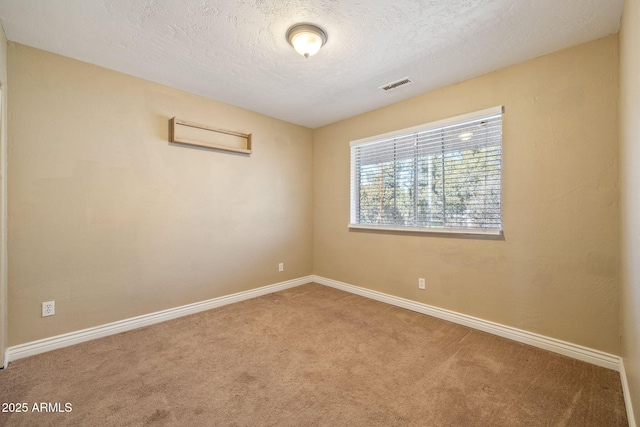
{"x": 306, "y": 39}
{"x": 466, "y": 136}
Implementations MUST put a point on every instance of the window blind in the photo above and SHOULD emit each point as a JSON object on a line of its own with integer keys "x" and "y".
{"x": 442, "y": 176}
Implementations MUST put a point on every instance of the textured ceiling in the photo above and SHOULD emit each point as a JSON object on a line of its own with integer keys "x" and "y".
{"x": 236, "y": 51}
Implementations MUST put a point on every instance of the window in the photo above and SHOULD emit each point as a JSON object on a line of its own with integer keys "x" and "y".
{"x": 437, "y": 177}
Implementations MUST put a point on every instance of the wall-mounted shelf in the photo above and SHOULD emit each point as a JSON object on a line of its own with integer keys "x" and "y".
{"x": 177, "y": 126}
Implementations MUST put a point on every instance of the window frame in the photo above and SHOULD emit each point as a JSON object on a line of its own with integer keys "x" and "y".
{"x": 450, "y": 121}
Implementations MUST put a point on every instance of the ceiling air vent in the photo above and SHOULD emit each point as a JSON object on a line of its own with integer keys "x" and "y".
{"x": 395, "y": 84}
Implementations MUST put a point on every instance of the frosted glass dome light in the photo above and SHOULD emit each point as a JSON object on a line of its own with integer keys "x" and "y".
{"x": 306, "y": 39}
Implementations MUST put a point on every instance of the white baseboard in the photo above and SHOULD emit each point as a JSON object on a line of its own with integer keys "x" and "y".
{"x": 627, "y": 397}
{"x": 575, "y": 351}
{"x": 65, "y": 340}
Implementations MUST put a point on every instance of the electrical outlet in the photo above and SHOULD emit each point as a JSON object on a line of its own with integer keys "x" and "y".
{"x": 48, "y": 308}
{"x": 421, "y": 283}
{"x": 281, "y": 266}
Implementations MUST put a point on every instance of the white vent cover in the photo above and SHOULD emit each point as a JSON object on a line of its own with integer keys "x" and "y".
{"x": 395, "y": 84}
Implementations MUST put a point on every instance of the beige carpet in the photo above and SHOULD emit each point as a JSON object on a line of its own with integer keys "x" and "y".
{"x": 310, "y": 356}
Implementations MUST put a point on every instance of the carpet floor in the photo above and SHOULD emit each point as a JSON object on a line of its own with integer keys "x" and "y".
{"x": 309, "y": 356}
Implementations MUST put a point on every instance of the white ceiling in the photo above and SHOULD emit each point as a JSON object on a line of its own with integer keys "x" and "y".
{"x": 236, "y": 51}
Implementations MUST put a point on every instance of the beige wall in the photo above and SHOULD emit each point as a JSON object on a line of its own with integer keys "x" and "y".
{"x": 111, "y": 221}
{"x": 556, "y": 271}
{"x": 3, "y": 195}
{"x": 630, "y": 197}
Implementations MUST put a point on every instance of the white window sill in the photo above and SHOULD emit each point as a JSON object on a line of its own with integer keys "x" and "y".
{"x": 432, "y": 230}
